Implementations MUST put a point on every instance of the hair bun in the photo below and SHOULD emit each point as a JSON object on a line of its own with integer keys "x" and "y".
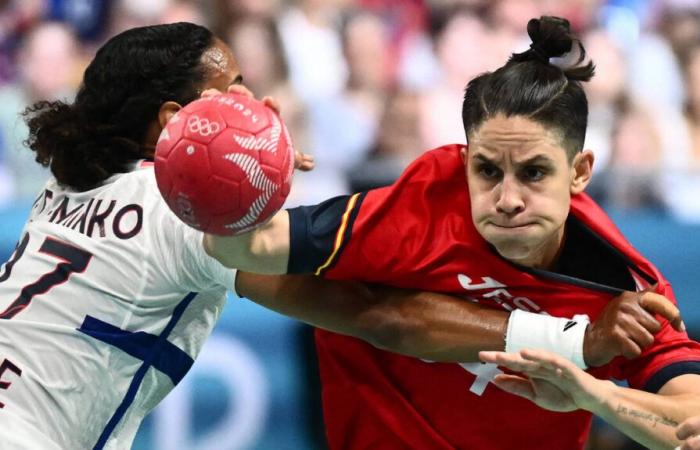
{"x": 551, "y": 37}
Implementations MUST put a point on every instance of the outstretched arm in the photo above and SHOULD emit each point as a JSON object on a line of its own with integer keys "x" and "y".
{"x": 263, "y": 250}
{"x": 428, "y": 325}
{"x": 555, "y": 384}
{"x": 421, "y": 324}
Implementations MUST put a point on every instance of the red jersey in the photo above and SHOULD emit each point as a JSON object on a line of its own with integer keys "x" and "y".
{"x": 418, "y": 233}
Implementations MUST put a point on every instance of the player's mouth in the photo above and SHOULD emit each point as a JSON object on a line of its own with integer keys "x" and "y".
{"x": 513, "y": 227}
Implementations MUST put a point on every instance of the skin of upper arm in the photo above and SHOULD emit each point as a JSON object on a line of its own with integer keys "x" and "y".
{"x": 683, "y": 385}
{"x": 262, "y": 250}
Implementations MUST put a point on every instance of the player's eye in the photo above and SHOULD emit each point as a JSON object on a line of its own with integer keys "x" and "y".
{"x": 533, "y": 173}
{"x": 489, "y": 171}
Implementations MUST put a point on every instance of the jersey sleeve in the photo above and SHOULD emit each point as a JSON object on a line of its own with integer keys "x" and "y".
{"x": 672, "y": 354}
{"x": 382, "y": 231}
{"x": 317, "y": 233}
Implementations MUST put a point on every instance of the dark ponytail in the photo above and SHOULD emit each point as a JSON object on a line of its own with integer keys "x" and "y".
{"x": 131, "y": 76}
{"x": 530, "y": 85}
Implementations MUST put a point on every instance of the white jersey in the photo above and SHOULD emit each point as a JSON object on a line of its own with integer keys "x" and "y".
{"x": 106, "y": 301}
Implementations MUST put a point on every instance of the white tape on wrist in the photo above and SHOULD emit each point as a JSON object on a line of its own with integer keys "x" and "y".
{"x": 539, "y": 331}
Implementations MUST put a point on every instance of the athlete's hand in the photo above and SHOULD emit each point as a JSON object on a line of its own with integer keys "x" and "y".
{"x": 302, "y": 161}
{"x": 627, "y": 326}
{"x": 548, "y": 380}
{"x": 689, "y": 432}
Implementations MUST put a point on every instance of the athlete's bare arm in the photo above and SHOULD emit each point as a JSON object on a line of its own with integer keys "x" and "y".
{"x": 421, "y": 324}
{"x": 441, "y": 327}
{"x": 555, "y": 384}
{"x": 263, "y": 250}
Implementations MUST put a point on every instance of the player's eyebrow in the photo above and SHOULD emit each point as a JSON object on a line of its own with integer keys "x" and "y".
{"x": 483, "y": 158}
{"x": 540, "y": 159}
{"x": 535, "y": 160}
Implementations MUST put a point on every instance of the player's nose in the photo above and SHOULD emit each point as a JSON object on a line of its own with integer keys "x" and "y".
{"x": 509, "y": 198}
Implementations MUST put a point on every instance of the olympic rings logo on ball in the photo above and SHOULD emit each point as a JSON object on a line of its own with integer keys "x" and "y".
{"x": 202, "y": 126}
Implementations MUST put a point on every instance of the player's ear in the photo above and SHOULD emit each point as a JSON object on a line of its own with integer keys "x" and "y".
{"x": 582, "y": 170}
{"x": 167, "y": 111}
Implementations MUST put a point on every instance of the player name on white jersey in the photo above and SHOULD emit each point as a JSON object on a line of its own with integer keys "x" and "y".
{"x": 104, "y": 305}
{"x": 92, "y": 217}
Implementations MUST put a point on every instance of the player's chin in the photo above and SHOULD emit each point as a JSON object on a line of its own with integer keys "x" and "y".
{"x": 514, "y": 246}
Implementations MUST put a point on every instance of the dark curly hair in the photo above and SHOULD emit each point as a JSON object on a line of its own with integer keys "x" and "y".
{"x": 131, "y": 76}
{"x": 531, "y": 86}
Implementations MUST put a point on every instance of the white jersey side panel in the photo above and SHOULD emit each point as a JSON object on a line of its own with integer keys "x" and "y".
{"x": 104, "y": 304}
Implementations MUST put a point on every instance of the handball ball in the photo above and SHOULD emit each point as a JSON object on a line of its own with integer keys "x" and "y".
{"x": 224, "y": 164}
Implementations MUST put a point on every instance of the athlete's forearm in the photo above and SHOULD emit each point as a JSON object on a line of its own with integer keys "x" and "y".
{"x": 420, "y": 324}
{"x": 650, "y": 419}
{"x": 263, "y": 250}
{"x": 436, "y": 326}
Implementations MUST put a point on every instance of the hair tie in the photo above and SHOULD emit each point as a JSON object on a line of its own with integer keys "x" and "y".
{"x": 539, "y": 52}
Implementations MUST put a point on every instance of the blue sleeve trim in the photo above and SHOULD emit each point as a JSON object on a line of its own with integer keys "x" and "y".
{"x": 312, "y": 232}
{"x": 663, "y": 376}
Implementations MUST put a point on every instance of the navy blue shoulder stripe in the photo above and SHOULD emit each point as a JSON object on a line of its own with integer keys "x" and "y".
{"x": 663, "y": 376}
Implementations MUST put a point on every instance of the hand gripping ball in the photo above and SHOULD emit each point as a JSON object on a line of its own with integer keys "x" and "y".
{"x": 224, "y": 164}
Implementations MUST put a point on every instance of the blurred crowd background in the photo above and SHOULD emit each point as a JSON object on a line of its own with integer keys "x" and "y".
{"x": 367, "y": 85}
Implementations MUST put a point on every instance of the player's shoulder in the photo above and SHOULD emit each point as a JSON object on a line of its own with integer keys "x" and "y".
{"x": 441, "y": 162}
{"x": 140, "y": 184}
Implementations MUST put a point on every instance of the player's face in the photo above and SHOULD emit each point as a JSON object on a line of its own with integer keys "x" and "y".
{"x": 520, "y": 185}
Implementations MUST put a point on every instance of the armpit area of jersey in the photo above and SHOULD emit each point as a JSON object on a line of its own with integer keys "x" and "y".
{"x": 588, "y": 257}
{"x": 317, "y": 233}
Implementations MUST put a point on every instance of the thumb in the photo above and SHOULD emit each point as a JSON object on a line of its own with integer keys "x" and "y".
{"x": 658, "y": 304}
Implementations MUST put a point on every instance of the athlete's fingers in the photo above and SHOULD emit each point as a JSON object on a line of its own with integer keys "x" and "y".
{"x": 304, "y": 161}
{"x": 272, "y": 104}
{"x": 547, "y": 360}
{"x": 639, "y": 334}
{"x": 630, "y": 349}
{"x": 646, "y": 319}
{"x": 692, "y": 443}
{"x": 515, "y": 385}
{"x": 658, "y": 304}
{"x": 210, "y": 92}
{"x": 512, "y": 361}
{"x": 552, "y": 366}
{"x": 240, "y": 89}
{"x": 688, "y": 427}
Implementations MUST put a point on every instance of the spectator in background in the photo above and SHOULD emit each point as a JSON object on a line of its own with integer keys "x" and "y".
{"x": 606, "y": 94}
{"x": 680, "y": 24}
{"x": 88, "y": 19}
{"x": 344, "y": 125}
{"x": 682, "y": 183}
{"x": 398, "y": 143}
{"x": 49, "y": 66}
{"x": 128, "y": 14}
{"x": 656, "y": 93}
{"x": 611, "y": 120}
{"x": 457, "y": 33}
{"x": 16, "y": 18}
{"x": 313, "y": 48}
{"x": 636, "y": 152}
{"x": 224, "y": 13}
